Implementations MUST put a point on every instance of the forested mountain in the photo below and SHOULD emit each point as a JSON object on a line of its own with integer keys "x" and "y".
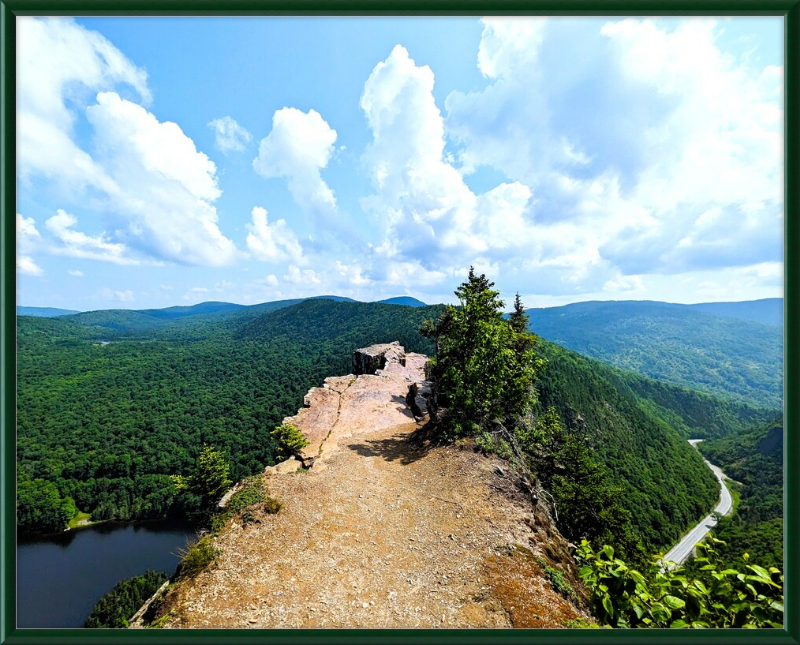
{"x": 135, "y": 321}
{"x": 403, "y": 300}
{"x": 737, "y": 359}
{"x": 696, "y": 415}
{"x": 754, "y": 459}
{"x": 768, "y": 311}
{"x": 210, "y": 307}
{"x": 44, "y": 312}
{"x": 107, "y": 424}
{"x": 664, "y": 484}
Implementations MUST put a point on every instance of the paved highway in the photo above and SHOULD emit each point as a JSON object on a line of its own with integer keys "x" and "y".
{"x": 681, "y": 551}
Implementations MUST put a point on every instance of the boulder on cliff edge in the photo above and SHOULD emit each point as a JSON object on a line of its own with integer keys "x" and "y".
{"x": 369, "y": 360}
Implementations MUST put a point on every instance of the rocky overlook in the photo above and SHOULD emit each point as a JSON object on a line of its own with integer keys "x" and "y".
{"x": 380, "y": 529}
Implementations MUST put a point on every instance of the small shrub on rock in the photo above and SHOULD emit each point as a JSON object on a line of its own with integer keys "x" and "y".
{"x": 196, "y": 557}
{"x": 290, "y": 440}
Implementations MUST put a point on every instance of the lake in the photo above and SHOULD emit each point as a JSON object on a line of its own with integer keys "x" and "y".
{"x": 61, "y": 577}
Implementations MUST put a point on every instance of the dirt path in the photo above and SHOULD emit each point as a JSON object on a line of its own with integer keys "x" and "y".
{"x": 386, "y": 534}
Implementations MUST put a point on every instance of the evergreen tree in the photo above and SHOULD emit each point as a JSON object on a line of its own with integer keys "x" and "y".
{"x": 518, "y": 319}
{"x": 525, "y": 368}
{"x": 210, "y": 479}
{"x": 484, "y": 369}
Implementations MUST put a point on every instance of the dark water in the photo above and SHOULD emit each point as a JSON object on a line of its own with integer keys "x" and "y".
{"x": 60, "y": 578}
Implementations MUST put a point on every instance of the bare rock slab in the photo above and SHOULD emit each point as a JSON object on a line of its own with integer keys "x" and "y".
{"x": 375, "y": 396}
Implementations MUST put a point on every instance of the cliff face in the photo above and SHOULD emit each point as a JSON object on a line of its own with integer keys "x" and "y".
{"x": 383, "y": 530}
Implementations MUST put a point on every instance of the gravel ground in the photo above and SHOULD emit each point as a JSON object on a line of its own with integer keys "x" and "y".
{"x": 388, "y": 535}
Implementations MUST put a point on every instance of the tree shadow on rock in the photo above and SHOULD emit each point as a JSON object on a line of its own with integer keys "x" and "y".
{"x": 397, "y": 448}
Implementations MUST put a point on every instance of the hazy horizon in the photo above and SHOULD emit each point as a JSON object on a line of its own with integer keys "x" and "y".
{"x": 507, "y": 303}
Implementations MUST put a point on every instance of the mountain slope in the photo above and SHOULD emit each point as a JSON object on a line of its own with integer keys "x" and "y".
{"x": 695, "y": 415}
{"x": 737, "y": 359}
{"x": 663, "y": 480}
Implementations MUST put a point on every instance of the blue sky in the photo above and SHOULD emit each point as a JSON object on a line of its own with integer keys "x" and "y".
{"x": 170, "y": 161}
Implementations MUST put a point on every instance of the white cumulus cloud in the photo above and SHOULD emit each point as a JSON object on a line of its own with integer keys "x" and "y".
{"x": 146, "y": 177}
{"x": 305, "y": 277}
{"x": 673, "y": 163}
{"x": 271, "y": 242}
{"x": 298, "y": 147}
{"x": 28, "y": 241}
{"x": 62, "y": 65}
{"x": 27, "y": 266}
{"x": 80, "y": 245}
{"x": 112, "y": 294}
{"x": 229, "y": 136}
{"x": 28, "y": 238}
{"x": 164, "y": 189}
{"x": 434, "y": 220}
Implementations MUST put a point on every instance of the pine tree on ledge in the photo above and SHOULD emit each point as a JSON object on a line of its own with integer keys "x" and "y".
{"x": 485, "y": 367}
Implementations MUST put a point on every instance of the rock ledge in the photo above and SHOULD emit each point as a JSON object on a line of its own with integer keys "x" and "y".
{"x": 377, "y": 395}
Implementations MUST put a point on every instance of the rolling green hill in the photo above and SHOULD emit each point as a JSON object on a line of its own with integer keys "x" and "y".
{"x": 403, "y": 300}
{"x": 210, "y": 307}
{"x": 737, "y": 359}
{"x": 107, "y": 424}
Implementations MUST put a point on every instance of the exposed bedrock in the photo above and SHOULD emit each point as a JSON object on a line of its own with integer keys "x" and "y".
{"x": 377, "y": 395}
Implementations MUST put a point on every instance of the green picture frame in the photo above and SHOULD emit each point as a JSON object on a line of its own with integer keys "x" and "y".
{"x": 10, "y": 9}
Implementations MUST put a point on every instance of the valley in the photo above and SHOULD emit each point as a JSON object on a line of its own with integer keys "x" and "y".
{"x": 113, "y": 403}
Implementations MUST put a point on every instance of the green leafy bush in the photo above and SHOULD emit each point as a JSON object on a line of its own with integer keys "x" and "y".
{"x": 491, "y": 445}
{"x": 251, "y": 492}
{"x": 246, "y": 501}
{"x": 290, "y": 440}
{"x": 665, "y": 597}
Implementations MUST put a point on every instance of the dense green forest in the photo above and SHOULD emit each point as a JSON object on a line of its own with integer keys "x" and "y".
{"x": 729, "y": 357}
{"x": 105, "y": 425}
{"x": 108, "y": 424}
{"x": 754, "y": 459}
{"x": 663, "y": 481}
{"x": 117, "y": 607}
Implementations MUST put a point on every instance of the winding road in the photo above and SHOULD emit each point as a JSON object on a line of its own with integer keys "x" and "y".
{"x": 681, "y": 551}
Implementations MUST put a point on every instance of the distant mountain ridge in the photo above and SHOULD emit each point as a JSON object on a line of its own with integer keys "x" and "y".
{"x": 44, "y": 312}
{"x": 732, "y": 357}
{"x": 408, "y": 301}
{"x": 768, "y": 311}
